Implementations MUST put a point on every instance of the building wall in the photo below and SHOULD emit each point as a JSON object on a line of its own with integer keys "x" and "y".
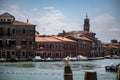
{"x": 83, "y": 47}
{"x": 16, "y": 44}
{"x": 111, "y": 49}
{"x": 17, "y": 39}
{"x": 70, "y": 49}
{"x": 55, "y": 47}
{"x": 49, "y": 49}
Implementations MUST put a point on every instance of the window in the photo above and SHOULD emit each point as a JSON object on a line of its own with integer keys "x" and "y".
{"x": 23, "y": 53}
{"x": 13, "y": 53}
{"x": 30, "y": 42}
{"x": 49, "y": 54}
{"x": 23, "y": 42}
{"x": 13, "y": 42}
{"x": 1, "y": 44}
{"x": 8, "y": 43}
{"x": 13, "y": 31}
{"x": 24, "y": 32}
{"x": 1, "y": 20}
{"x": 8, "y": 32}
{"x": 1, "y": 31}
{"x": 8, "y": 20}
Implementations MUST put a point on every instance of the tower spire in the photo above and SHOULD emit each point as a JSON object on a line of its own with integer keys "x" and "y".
{"x": 86, "y": 23}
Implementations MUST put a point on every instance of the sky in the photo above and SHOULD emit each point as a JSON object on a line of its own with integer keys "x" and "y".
{"x": 54, "y": 16}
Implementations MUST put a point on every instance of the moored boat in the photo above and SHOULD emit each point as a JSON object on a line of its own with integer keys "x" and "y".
{"x": 112, "y": 67}
{"x": 49, "y": 59}
{"x": 81, "y": 58}
{"x": 37, "y": 59}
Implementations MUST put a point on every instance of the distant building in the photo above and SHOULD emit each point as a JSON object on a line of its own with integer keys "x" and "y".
{"x": 83, "y": 45}
{"x": 96, "y": 44}
{"x": 69, "y": 46}
{"x": 17, "y": 38}
{"x": 54, "y": 47}
{"x": 112, "y": 48}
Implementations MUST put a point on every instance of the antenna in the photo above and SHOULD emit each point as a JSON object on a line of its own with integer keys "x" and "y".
{"x": 86, "y": 15}
{"x": 27, "y": 21}
{"x": 43, "y": 30}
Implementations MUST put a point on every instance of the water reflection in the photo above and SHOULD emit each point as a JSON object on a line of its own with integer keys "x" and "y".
{"x": 17, "y": 64}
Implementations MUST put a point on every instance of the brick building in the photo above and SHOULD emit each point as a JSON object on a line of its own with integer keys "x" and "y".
{"x": 96, "y": 44}
{"x": 69, "y": 46}
{"x": 83, "y": 45}
{"x": 111, "y": 48}
{"x": 54, "y": 47}
{"x": 17, "y": 38}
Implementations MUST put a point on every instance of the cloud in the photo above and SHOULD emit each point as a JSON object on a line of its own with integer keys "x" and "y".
{"x": 115, "y": 30}
{"x": 52, "y": 16}
{"x": 106, "y": 27}
{"x": 102, "y": 20}
{"x": 14, "y": 7}
{"x": 52, "y": 20}
{"x": 35, "y": 9}
{"x": 49, "y": 7}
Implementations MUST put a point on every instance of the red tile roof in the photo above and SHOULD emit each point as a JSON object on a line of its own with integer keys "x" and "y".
{"x": 110, "y": 45}
{"x": 46, "y": 39}
{"x": 16, "y": 22}
{"x": 84, "y": 38}
{"x": 81, "y": 38}
{"x": 64, "y": 39}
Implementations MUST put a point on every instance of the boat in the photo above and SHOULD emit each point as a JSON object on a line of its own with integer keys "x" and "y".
{"x": 112, "y": 67}
{"x": 37, "y": 59}
{"x": 2, "y": 59}
{"x": 49, "y": 59}
{"x": 70, "y": 58}
{"x": 112, "y": 57}
{"x": 14, "y": 60}
{"x": 107, "y": 57}
{"x": 81, "y": 58}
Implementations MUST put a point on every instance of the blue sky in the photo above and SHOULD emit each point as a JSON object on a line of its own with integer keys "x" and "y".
{"x": 53, "y": 16}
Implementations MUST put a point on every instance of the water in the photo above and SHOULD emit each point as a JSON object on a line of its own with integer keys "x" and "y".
{"x": 54, "y": 70}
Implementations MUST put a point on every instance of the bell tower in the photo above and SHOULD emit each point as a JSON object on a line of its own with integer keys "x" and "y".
{"x": 86, "y": 24}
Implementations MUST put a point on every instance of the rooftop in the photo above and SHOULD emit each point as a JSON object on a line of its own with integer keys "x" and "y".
{"x": 63, "y": 39}
{"x": 16, "y": 22}
{"x": 8, "y": 18}
{"x": 46, "y": 39}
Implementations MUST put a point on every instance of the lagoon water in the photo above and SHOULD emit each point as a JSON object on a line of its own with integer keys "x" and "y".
{"x": 54, "y": 70}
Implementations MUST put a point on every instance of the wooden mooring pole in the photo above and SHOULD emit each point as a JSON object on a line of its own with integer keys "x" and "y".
{"x": 90, "y": 75}
{"x": 118, "y": 74}
{"x": 67, "y": 71}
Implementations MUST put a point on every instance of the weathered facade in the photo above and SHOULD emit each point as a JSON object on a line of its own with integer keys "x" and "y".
{"x": 83, "y": 45}
{"x": 96, "y": 44}
{"x": 17, "y": 38}
{"x": 54, "y": 47}
{"x": 112, "y": 48}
